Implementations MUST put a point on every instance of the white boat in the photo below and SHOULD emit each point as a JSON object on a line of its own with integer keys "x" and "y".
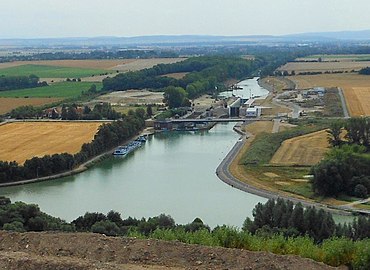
{"x": 120, "y": 152}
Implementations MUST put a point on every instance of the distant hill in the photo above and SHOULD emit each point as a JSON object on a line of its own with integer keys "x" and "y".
{"x": 342, "y": 35}
{"x": 188, "y": 39}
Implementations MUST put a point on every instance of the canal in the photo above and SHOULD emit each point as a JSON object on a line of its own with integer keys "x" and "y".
{"x": 173, "y": 173}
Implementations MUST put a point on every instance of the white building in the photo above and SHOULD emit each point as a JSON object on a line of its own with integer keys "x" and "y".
{"x": 253, "y": 112}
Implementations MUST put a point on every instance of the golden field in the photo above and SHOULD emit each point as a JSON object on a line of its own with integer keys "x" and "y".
{"x": 324, "y": 66}
{"x": 356, "y": 89}
{"x": 8, "y": 104}
{"x": 306, "y": 150}
{"x": 113, "y": 64}
{"x": 24, "y": 140}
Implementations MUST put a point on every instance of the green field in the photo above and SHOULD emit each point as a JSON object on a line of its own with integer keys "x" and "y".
{"x": 58, "y": 90}
{"x": 50, "y": 71}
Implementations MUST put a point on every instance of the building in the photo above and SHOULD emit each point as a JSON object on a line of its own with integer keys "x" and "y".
{"x": 253, "y": 112}
{"x": 234, "y": 108}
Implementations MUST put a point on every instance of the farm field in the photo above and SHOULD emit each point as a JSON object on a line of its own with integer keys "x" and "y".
{"x": 8, "y": 104}
{"x": 57, "y": 90}
{"x": 89, "y": 64}
{"x": 44, "y": 71}
{"x": 356, "y": 89}
{"x": 112, "y": 64}
{"x": 323, "y": 66}
{"x": 337, "y": 57}
{"x": 304, "y": 150}
{"x": 139, "y": 64}
{"x": 24, "y": 140}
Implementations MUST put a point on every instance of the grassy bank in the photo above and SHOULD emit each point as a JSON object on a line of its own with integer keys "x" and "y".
{"x": 334, "y": 251}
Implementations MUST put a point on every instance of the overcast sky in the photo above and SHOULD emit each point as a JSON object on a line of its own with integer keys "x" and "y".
{"x": 88, "y": 18}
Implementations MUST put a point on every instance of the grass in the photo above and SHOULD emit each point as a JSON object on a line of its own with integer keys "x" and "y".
{"x": 265, "y": 145}
{"x": 44, "y": 71}
{"x": 57, "y": 90}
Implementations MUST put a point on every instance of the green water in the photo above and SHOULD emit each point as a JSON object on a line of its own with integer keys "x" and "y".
{"x": 173, "y": 173}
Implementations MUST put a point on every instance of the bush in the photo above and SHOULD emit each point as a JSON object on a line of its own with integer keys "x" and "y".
{"x": 106, "y": 227}
{"x": 360, "y": 191}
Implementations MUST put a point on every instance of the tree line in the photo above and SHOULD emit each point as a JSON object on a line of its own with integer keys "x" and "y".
{"x": 108, "y": 136}
{"x": 346, "y": 168}
{"x": 204, "y": 73}
{"x": 267, "y": 234}
{"x": 365, "y": 71}
{"x": 284, "y": 217}
{"x": 19, "y": 82}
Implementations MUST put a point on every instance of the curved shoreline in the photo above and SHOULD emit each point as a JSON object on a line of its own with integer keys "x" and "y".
{"x": 227, "y": 177}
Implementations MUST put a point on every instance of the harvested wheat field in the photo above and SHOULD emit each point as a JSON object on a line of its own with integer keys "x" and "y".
{"x": 356, "y": 89}
{"x": 298, "y": 67}
{"x": 139, "y": 64}
{"x": 23, "y": 140}
{"x": 307, "y": 150}
{"x": 8, "y": 104}
{"x": 114, "y": 64}
{"x": 94, "y": 64}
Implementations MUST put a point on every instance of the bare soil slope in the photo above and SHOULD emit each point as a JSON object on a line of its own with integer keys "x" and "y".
{"x": 82, "y": 251}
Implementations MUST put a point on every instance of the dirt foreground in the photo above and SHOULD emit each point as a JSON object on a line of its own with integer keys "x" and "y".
{"x": 85, "y": 251}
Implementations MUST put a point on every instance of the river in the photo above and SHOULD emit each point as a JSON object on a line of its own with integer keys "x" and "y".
{"x": 250, "y": 89}
{"x": 173, "y": 173}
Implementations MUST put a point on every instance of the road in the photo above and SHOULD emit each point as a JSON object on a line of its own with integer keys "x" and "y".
{"x": 344, "y": 104}
{"x": 225, "y": 175}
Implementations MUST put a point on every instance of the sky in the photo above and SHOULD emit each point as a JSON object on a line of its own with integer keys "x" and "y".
{"x": 124, "y": 18}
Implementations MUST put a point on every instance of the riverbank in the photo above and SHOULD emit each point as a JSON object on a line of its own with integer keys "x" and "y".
{"x": 226, "y": 172}
{"x": 81, "y": 168}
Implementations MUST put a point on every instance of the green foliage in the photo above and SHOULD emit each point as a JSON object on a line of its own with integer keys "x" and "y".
{"x": 22, "y": 217}
{"x": 174, "y": 96}
{"x": 43, "y": 71}
{"x": 365, "y": 71}
{"x": 204, "y": 74}
{"x": 334, "y": 132}
{"x": 19, "y": 82}
{"x": 56, "y": 90}
{"x": 334, "y": 251}
{"x": 106, "y": 227}
{"x": 341, "y": 171}
{"x": 24, "y": 112}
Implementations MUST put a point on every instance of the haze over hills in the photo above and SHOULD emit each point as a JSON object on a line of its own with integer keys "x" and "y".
{"x": 363, "y": 35}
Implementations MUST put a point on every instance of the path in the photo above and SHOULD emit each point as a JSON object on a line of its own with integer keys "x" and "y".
{"x": 344, "y": 104}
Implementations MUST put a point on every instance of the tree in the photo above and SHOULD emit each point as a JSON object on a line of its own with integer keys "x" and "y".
{"x": 174, "y": 96}
{"x": 149, "y": 110}
{"x": 106, "y": 227}
{"x": 334, "y": 132}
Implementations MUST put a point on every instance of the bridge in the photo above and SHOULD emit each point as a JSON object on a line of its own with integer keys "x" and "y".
{"x": 216, "y": 120}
